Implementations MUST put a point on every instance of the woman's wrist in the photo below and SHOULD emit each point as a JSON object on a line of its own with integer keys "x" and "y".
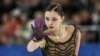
{"x": 75, "y": 55}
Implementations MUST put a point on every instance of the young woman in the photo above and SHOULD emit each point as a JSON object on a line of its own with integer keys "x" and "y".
{"x": 61, "y": 40}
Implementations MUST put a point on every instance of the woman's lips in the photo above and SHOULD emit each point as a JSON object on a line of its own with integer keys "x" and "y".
{"x": 51, "y": 27}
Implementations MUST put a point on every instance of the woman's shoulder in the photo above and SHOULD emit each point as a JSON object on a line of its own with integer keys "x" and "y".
{"x": 70, "y": 27}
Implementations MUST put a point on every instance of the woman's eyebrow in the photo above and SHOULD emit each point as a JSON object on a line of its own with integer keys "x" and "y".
{"x": 46, "y": 16}
{"x": 53, "y": 17}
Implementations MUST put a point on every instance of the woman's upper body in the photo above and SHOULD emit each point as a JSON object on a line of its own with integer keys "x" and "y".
{"x": 67, "y": 41}
{"x": 64, "y": 45}
{"x": 62, "y": 40}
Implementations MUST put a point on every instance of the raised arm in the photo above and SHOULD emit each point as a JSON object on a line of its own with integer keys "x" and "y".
{"x": 32, "y": 46}
{"x": 38, "y": 39}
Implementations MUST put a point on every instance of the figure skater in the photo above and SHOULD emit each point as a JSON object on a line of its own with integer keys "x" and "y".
{"x": 58, "y": 39}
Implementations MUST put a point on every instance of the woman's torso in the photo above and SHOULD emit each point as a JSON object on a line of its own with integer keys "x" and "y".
{"x": 63, "y": 47}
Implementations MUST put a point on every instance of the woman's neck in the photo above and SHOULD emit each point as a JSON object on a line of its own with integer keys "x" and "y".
{"x": 56, "y": 33}
{"x": 59, "y": 31}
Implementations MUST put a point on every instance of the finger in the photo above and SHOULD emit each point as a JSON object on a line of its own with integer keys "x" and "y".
{"x": 32, "y": 27}
{"x": 47, "y": 32}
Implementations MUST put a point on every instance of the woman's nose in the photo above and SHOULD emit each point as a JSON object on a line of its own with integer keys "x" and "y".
{"x": 50, "y": 23}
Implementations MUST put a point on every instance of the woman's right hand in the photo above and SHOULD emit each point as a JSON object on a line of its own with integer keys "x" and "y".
{"x": 38, "y": 34}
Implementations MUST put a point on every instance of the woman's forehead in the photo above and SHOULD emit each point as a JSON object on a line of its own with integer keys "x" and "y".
{"x": 51, "y": 14}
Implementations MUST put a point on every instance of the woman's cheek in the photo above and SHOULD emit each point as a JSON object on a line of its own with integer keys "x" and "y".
{"x": 46, "y": 23}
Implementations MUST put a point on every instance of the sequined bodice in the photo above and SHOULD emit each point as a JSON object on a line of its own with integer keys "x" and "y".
{"x": 60, "y": 49}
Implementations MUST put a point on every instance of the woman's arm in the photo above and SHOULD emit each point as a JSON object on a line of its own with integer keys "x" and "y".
{"x": 32, "y": 46}
{"x": 78, "y": 40}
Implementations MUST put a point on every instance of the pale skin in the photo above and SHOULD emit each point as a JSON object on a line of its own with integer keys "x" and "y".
{"x": 53, "y": 19}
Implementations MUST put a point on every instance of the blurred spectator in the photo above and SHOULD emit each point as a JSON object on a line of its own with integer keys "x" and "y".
{"x": 14, "y": 23}
{"x": 97, "y": 9}
{"x": 97, "y": 5}
{"x": 29, "y": 6}
{"x": 23, "y": 5}
{"x": 95, "y": 17}
{"x": 89, "y": 36}
{"x": 4, "y": 39}
{"x": 5, "y": 23}
{"x": 91, "y": 5}
{"x": 23, "y": 33}
{"x": 76, "y": 20}
{"x": 85, "y": 17}
{"x": 74, "y": 17}
{"x": 63, "y": 2}
{"x": 9, "y": 26}
{"x": 5, "y": 29}
{"x": 36, "y": 6}
{"x": 8, "y": 5}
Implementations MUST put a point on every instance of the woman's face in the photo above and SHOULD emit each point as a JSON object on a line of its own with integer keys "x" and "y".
{"x": 53, "y": 20}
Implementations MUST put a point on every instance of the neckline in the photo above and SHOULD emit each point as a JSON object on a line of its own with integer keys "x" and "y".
{"x": 72, "y": 35}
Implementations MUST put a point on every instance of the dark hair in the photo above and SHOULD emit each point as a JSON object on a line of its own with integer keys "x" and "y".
{"x": 55, "y": 7}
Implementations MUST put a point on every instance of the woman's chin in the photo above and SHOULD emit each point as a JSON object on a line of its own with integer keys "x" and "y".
{"x": 51, "y": 30}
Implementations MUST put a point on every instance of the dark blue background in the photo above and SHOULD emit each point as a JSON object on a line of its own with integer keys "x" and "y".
{"x": 21, "y": 50}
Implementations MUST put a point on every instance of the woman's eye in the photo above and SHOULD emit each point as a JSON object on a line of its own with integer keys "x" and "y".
{"x": 47, "y": 19}
{"x": 54, "y": 19}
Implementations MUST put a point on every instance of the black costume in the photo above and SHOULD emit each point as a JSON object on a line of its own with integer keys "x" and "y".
{"x": 60, "y": 49}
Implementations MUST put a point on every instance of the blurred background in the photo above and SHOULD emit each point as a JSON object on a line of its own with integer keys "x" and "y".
{"x": 16, "y": 16}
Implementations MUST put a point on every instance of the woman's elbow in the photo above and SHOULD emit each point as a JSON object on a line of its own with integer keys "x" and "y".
{"x": 29, "y": 49}
{"x": 29, "y": 46}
